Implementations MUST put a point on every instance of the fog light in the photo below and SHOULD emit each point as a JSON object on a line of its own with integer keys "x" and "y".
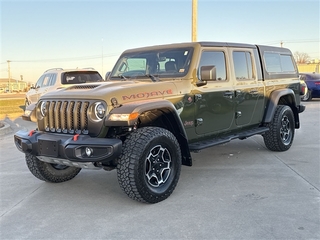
{"x": 89, "y": 151}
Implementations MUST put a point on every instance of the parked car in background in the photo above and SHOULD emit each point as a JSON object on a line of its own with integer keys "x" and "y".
{"x": 54, "y": 79}
{"x": 313, "y": 83}
{"x": 303, "y": 89}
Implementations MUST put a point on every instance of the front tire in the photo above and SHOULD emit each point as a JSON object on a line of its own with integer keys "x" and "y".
{"x": 281, "y": 130}
{"x": 49, "y": 172}
{"x": 149, "y": 167}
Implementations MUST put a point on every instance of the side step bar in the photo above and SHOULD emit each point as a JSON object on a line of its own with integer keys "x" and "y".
{"x": 216, "y": 141}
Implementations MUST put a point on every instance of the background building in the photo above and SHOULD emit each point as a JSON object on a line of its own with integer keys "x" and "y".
{"x": 309, "y": 67}
{"x": 13, "y": 85}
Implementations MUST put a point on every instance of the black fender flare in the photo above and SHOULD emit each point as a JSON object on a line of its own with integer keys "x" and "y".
{"x": 273, "y": 103}
{"x": 134, "y": 110}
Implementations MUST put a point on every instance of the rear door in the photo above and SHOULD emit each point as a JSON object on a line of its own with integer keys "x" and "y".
{"x": 249, "y": 89}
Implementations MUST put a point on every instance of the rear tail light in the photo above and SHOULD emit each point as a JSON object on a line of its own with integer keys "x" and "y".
{"x": 317, "y": 83}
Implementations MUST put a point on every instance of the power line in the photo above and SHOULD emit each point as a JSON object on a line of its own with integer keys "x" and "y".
{"x": 292, "y": 41}
{"x": 66, "y": 59}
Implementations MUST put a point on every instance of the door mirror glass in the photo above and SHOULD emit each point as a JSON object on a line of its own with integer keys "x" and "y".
{"x": 208, "y": 73}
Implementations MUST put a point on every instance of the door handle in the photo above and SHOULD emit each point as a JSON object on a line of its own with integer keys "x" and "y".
{"x": 254, "y": 92}
{"x": 228, "y": 94}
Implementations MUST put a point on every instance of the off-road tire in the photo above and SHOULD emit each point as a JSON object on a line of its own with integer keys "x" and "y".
{"x": 281, "y": 130}
{"x": 48, "y": 172}
{"x": 149, "y": 167}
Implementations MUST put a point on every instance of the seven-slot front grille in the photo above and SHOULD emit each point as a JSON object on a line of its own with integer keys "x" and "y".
{"x": 66, "y": 117}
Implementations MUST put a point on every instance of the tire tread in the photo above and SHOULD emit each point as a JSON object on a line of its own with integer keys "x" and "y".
{"x": 133, "y": 147}
{"x": 271, "y": 138}
{"x": 45, "y": 172}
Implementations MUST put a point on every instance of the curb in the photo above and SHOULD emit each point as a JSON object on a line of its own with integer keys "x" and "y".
{"x": 5, "y": 129}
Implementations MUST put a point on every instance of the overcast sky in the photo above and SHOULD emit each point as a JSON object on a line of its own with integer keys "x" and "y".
{"x": 38, "y": 35}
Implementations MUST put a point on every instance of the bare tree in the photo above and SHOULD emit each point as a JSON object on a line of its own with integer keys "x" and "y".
{"x": 301, "y": 57}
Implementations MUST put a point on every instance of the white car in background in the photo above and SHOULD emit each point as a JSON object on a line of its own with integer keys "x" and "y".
{"x": 54, "y": 79}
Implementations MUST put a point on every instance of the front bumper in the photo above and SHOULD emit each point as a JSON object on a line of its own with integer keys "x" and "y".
{"x": 76, "y": 148}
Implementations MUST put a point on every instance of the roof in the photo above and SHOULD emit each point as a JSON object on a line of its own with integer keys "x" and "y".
{"x": 209, "y": 44}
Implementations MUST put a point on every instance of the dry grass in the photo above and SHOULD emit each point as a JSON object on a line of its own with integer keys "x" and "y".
{"x": 11, "y": 108}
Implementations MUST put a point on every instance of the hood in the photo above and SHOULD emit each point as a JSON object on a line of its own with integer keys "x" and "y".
{"x": 123, "y": 91}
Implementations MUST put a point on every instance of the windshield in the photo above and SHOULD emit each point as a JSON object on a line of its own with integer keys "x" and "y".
{"x": 161, "y": 63}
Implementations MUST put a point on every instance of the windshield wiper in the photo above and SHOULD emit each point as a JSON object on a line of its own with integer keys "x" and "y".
{"x": 123, "y": 78}
{"x": 153, "y": 78}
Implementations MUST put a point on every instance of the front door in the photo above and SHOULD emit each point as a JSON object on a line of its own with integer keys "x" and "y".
{"x": 214, "y": 101}
{"x": 214, "y": 109}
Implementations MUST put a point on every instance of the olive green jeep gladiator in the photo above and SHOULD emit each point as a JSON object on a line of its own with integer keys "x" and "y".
{"x": 158, "y": 105}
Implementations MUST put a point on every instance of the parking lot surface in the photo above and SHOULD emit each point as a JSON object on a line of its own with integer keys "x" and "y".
{"x": 238, "y": 190}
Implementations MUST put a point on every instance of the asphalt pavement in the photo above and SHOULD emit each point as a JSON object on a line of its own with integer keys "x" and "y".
{"x": 238, "y": 190}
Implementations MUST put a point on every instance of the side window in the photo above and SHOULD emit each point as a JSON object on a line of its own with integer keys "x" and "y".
{"x": 278, "y": 63}
{"x": 52, "y": 79}
{"x": 46, "y": 80}
{"x": 286, "y": 63}
{"x": 242, "y": 65}
{"x": 272, "y": 62}
{"x": 216, "y": 59}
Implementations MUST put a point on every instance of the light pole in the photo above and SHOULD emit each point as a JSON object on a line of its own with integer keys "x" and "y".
{"x": 102, "y": 56}
{"x": 194, "y": 20}
{"x": 9, "y": 75}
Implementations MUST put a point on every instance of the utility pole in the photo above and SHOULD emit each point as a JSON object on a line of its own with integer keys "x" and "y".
{"x": 9, "y": 76}
{"x": 102, "y": 57}
{"x": 194, "y": 20}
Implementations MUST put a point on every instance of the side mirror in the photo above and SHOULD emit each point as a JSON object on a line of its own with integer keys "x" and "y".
{"x": 208, "y": 73}
{"x": 107, "y": 75}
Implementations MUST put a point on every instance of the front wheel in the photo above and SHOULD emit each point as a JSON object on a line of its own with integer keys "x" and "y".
{"x": 149, "y": 167}
{"x": 281, "y": 130}
{"x": 49, "y": 172}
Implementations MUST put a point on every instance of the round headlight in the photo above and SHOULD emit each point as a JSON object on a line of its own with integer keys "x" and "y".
{"x": 100, "y": 110}
{"x": 43, "y": 108}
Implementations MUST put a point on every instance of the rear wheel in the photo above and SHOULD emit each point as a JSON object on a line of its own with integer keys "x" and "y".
{"x": 281, "y": 130}
{"x": 49, "y": 172}
{"x": 149, "y": 167}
